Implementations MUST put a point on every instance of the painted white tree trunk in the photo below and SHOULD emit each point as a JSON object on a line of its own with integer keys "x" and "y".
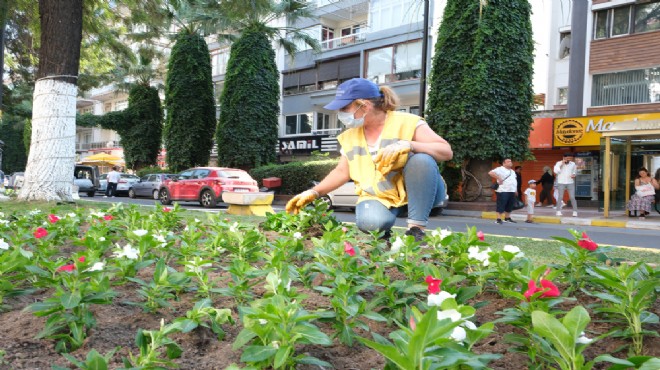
{"x": 49, "y": 172}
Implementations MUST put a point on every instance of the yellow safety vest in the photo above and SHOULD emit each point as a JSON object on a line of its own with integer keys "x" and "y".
{"x": 369, "y": 183}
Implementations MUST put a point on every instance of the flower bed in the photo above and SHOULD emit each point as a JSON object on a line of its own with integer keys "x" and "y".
{"x": 146, "y": 290}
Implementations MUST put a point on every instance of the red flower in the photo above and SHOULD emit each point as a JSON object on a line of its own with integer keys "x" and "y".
{"x": 481, "y": 235}
{"x": 434, "y": 284}
{"x": 40, "y": 233}
{"x": 52, "y": 218}
{"x": 81, "y": 259}
{"x": 108, "y": 217}
{"x": 348, "y": 248}
{"x": 549, "y": 289}
{"x": 67, "y": 268}
{"x": 167, "y": 209}
{"x": 587, "y": 243}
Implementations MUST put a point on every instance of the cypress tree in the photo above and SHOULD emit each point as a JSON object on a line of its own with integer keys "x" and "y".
{"x": 190, "y": 122}
{"x": 141, "y": 142}
{"x": 481, "y": 95}
{"x": 249, "y": 103}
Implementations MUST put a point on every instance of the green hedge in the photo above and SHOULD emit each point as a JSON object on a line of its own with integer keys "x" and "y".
{"x": 152, "y": 169}
{"x": 296, "y": 176}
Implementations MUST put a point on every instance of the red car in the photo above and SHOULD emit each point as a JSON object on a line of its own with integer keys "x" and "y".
{"x": 205, "y": 185}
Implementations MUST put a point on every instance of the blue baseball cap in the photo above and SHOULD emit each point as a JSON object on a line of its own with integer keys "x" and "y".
{"x": 355, "y": 88}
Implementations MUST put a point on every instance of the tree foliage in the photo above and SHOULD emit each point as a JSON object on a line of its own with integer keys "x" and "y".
{"x": 249, "y": 103}
{"x": 481, "y": 95}
{"x": 190, "y": 122}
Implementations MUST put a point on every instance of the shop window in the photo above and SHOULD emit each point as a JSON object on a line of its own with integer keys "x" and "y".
{"x": 395, "y": 63}
{"x": 298, "y": 124}
{"x": 564, "y": 44}
{"x": 629, "y": 87}
{"x": 562, "y": 96}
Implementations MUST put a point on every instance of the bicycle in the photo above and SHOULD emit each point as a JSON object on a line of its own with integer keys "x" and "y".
{"x": 471, "y": 187}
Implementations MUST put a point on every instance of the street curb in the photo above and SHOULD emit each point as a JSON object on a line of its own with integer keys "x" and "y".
{"x": 607, "y": 223}
{"x": 564, "y": 220}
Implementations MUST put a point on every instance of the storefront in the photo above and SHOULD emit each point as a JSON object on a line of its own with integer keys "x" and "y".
{"x": 632, "y": 141}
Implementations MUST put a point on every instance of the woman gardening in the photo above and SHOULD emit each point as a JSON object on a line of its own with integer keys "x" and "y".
{"x": 391, "y": 156}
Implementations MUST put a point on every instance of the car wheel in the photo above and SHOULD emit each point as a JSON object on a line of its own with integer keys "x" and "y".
{"x": 165, "y": 197}
{"x": 131, "y": 193}
{"x": 155, "y": 194}
{"x": 90, "y": 194}
{"x": 207, "y": 199}
{"x": 326, "y": 199}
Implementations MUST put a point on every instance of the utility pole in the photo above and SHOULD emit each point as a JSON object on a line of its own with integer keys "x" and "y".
{"x": 425, "y": 47}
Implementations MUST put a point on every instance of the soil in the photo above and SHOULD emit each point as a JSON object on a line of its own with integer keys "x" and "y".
{"x": 117, "y": 325}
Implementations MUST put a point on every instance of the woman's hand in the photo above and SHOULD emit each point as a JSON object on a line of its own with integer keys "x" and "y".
{"x": 301, "y": 200}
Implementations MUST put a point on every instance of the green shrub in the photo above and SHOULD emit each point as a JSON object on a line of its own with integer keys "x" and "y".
{"x": 296, "y": 176}
{"x": 452, "y": 176}
{"x": 151, "y": 169}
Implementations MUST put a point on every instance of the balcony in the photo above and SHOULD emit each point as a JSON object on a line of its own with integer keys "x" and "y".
{"x": 342, "y": 41}
{"x": 98, "y": 145}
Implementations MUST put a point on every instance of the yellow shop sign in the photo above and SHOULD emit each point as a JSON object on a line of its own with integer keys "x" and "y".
{"x": 586, "y": 131}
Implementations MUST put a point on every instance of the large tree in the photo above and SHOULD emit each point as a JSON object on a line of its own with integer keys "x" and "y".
{"x": 481, "y": 94}
{"x": 49, "y": 171}
{"x": 190, "y": 122}
{"x": 249, "y": 104}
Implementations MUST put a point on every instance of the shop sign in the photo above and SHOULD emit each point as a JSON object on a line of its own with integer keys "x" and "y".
{"x": 587, "y": 131}
{"x": 303, "y": 144}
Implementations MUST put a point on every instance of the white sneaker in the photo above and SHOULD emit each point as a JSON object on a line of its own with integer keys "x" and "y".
{"x": 558, "y": 213}
{"x": 554, "y": 207}
{"x": 574, "y": 214}
{"x": 105, "y": 196}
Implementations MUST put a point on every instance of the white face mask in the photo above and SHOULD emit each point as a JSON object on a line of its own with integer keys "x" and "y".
{"x": 349, "y": 120}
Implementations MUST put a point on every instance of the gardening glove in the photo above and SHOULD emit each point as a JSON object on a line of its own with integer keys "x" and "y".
{"x": 301, "y": 200}
{"x": 387, "y": 158}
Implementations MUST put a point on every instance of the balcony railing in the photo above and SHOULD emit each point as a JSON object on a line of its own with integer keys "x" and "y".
{"x": 98, "y": 145}
{"x": 338, "y": 42}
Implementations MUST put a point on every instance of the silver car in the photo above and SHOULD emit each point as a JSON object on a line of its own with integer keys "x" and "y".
{"x": 148, "y": 185}
{"x": 125, "y": 182}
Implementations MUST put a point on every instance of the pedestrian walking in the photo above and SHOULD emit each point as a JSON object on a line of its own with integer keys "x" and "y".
{"x": 547, "y": 182}
{"x": 566, "y": 171}
{"x": 506, "y": 190}
{"x": 530, "y": 200}
{"x": 113, "y": 179}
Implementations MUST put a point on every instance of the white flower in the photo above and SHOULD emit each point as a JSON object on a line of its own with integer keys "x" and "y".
{"x": 71, "y": 215}
{"x": 234, "y": 228}
{"x": 263, "y": 321}
{"x": 482, "y": 256}
{"x": 437, "y": 299}
{"x": 2, "y": 214}
{"x": 197, "y": 220}
{"x": 98, "y": 266}
{"x": 458, "y": 334}
{"x": 161, "y": 239}
{"x": 513, "y": 250}
{"x": 129, "y": 252}
{"x": 4, "y": 222}
{"x": 449, "y": 314}
{"x": 442, "y": 233}
{"x": 297, "y": 235}
{"x": 140, "y": 233}
{"x": 469, "y": 324}
{"x": 35, "y": 212}
{"x": 3, "y": 244}
{"x": 102, "y": 239}
{"x": 97, "y": 214}
{"x": 396, "y": 246}
{"x": 583, "y": 339}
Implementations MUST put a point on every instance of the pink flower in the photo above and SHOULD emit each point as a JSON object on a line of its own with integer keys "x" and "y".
{"x": 167, "y": 209}
{"x": 344, "y": 229}
{"x": 348, "y": 248}
{"x": 549, "y": 289}
{"x": 481, "y": 235}
{"x": 412, "y": 322}
{"x": 52, "y": 218}
{"x": 67, "y": 268}
{"x": 40, "y": 233}
{"x": 108, "y": 217}
{"x": 81, "y": 259}
{"x": 434, "y": 284}
{"x": 587, "y": 243}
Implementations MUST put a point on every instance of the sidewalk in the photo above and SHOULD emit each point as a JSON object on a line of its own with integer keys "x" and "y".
{"x": 586, "y": 217}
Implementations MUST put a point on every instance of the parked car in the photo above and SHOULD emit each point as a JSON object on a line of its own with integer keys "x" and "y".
{"x": 148, "y": 185}
{"x": 16, "y": 180}
{"x": 86, "y": 178}
{"x": 206, "y": 185}
{"x": 344, "y": 196}
{"x": 125, "y": 182}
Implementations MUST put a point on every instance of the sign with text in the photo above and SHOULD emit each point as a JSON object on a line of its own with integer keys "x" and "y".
{"x": 587, "y": 131}
{"x": 307, "y": 144}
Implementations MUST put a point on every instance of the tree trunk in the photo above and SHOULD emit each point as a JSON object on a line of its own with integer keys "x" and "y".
{"x": 480, "y": 168}
{"x": 49, "y": 172}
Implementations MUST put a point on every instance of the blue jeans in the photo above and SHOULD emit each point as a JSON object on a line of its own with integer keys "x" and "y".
{"x": 425, "y": 190}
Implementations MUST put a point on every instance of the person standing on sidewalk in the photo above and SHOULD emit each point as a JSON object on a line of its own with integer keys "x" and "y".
{"x": 530, "y": 200}
{"x": 506, "y": 191}
{"x": 519, "y": 191}
{"x": 566, "y": 171}
{"x": 113, "y": 180}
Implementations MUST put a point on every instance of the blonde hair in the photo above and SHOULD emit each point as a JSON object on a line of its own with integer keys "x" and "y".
{"x": 388, "y": 100}
{"x": 546, "y": 169}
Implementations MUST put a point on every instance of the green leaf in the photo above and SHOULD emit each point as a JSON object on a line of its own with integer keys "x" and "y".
{"x": 550, "y": 328}
{"x": 173, "y": 350}
{"x": 651, "y": 364}
{"x": 390, "y": 352}
{"x": 576, "y": 320}
{"x": 282, "y": 356}
{"x": 309, "y": 360}
{"x": 312, "y": 334}
{"x": 257, "y": 353}
{"x": 70, "y": 300}
{"x": 243, "y": 338}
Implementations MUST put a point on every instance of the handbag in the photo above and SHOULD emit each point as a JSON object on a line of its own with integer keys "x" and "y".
{"x": 518, "y": 204}
{"x": 645, "y": 190}
{"x": 495, "y": 185}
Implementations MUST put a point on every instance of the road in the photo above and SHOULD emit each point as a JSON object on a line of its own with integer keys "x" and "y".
{"x": 602, "y": 235}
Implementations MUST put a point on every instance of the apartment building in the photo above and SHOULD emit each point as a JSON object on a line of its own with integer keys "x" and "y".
{"x": 604, "y": 83}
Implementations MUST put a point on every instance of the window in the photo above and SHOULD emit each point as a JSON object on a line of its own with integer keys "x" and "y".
{"x": 323, "y": 123}
{"x": 298, "y": 124}
{"x": 121, "y": 105}
{"x": 647, "y": 17}
{"x": 562, "y": 96}
{"x": 617, "y": 21}
{"x": 564, "y": 44}
{"x": 629, "y": 87}
{"x": 185, "y": 175}
{"x": 219, "y": 62}
{"x": 395, "y": 63}
{"x": 386, "y": 14}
